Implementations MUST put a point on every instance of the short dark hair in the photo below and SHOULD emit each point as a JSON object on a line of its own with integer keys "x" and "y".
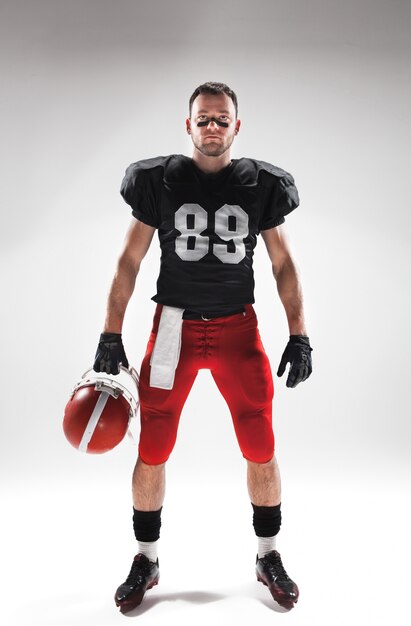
{"x": 213, "y": 89}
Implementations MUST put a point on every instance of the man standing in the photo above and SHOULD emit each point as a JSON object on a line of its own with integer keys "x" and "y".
{"x": 208, "y": 210}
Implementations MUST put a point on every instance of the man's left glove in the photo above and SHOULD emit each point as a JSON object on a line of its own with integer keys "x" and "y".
{"x": 110, "y": 354}
{"x": 298, "y": 353}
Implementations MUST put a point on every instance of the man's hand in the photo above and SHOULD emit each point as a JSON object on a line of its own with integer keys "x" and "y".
{"x": 110, "y": 354}
{"x": 298, "y": 354}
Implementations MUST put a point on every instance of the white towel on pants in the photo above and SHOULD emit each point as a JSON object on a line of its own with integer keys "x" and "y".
{"x": 166, "y": 351}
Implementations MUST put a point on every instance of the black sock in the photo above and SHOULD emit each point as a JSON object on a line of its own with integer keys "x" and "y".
{"x": 266, "y": 520}
{"x": 147, "y": 524}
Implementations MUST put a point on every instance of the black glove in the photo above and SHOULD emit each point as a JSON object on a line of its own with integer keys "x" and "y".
{"x": 298, "y": 353}
{"x": 110, "y": 353}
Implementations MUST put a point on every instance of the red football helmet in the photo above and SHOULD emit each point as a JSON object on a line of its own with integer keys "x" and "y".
{"x": 97, "y": 416}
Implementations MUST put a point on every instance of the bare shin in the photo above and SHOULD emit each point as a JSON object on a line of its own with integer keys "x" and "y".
{"x": 149, "y": 483}
{"x": 264, "y": 483}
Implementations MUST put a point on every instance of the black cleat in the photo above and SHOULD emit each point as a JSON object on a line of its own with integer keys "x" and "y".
{"x": 270, "y": 571}
{"x": 144, "y": 574}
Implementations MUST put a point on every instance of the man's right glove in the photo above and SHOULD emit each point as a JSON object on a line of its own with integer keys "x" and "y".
{"x": 110, "y": 354}
{"x": 298, "y": 354}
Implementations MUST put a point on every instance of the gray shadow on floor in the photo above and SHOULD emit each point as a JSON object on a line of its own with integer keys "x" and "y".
{"x": 194, "y": 597}
{"x": 253, "y": 591}
{"x": 274, "y": 606}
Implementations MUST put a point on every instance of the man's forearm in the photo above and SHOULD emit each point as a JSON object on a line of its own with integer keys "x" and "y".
{"x": 120, "y": 293}
{"x": 290, "y": 292}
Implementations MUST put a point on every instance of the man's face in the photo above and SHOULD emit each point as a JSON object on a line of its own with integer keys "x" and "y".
{"x": 212, "y": 139}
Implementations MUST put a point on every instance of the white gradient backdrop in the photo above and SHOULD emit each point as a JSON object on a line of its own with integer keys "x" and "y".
{"x": 324, "y": 92}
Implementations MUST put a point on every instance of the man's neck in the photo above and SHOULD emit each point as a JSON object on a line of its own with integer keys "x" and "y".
{"x": 211, "y": 164}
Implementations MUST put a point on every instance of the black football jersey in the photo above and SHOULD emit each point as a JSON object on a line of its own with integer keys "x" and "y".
{"x": 207, "y": 225}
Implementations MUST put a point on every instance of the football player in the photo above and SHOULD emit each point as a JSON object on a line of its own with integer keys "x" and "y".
{"x": 208, "y": 211}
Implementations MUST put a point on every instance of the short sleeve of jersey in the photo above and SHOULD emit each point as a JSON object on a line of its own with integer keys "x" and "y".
{"x": 138, "y": 189}
{"x": 280, "y": 198}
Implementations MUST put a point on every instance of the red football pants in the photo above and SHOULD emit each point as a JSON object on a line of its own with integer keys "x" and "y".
{"x": 230, "y": 347}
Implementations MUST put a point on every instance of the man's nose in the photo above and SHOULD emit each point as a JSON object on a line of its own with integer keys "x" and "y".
{"x": 214, "y": 124}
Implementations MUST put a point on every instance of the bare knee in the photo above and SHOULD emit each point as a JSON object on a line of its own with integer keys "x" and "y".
{"x": 253, "y": 465}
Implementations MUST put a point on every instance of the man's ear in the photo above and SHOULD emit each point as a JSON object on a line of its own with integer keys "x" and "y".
{"x": 188, "y": 126}
{"x": 237, "y": 126}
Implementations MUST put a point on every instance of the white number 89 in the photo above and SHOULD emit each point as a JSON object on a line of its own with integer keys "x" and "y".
{"x": 231, "y": 224}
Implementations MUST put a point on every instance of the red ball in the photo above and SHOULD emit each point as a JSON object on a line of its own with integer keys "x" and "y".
{"x": 95, "y": 421}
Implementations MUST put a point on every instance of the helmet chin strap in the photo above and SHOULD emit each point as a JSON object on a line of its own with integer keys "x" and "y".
{"x": 213, "y": 119}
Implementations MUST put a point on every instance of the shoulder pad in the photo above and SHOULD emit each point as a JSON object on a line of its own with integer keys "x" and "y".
{"x": 172, "y": 169}
{"x": 248, "y": 170}
{"x": 148, "y": 164}
{"x": 179, "y": 170}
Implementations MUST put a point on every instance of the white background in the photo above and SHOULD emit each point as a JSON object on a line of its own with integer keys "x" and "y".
{"x": 324, "y": 92}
